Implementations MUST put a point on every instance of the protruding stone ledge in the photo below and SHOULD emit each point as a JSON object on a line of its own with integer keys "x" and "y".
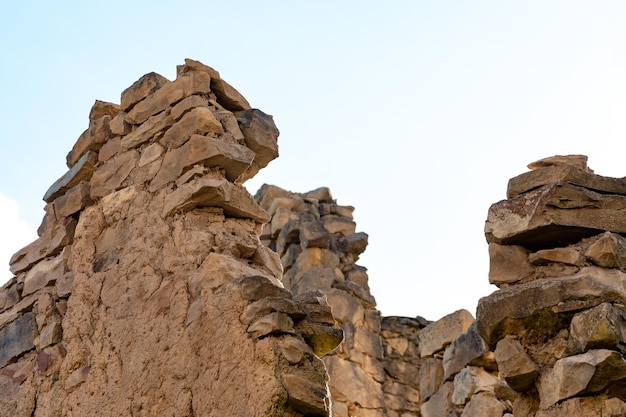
{"x": 554, "y": 215}
{"x": 206, "y": 192}
{"x": 81, "y": 171}
{"x": 537, "y": 304}
{"x": 565, "y": 174}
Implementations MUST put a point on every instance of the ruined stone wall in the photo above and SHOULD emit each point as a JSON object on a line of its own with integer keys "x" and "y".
{"x": 318, "y": 245}
{"x": 149, "y": 291}
{"x": 156, "y": 286}
{"x": 557, "y": 323}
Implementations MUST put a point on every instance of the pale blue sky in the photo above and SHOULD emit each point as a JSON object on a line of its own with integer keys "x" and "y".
{"x": 415, "y": 112}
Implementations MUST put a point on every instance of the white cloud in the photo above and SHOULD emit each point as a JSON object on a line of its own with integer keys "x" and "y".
{"x": 14, "y": 234}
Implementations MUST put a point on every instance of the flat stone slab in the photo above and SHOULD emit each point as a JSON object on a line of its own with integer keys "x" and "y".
{"x": 537, "y": 304}
{"x": 17, "y": 338}
{"x": 207, "y": 192}
{"x": 564, "y": 174}
{"x": 554, "y": 215}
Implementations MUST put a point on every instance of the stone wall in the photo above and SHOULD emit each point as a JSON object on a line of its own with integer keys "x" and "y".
{"x": 557, "y": 322}
{"x": 318, "y": 245}
{"x": 159, "y": 286}
{"x": 149, "y": 291}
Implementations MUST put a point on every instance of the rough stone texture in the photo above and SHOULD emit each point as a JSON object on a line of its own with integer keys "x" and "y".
{"x": 121, "y": 310}
{"x": 515, "y": 366}
{"x": 143, "y": 299}
{"x": 557, "y": 322}
{"x": 587, "y": 373}
{"x": 310, "y": 231}
{"x": 436, "y": 336}
{"x": 555, "y": 215}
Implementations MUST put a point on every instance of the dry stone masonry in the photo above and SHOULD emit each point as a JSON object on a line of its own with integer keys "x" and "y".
{"x": 149, "y": 291}
{"x": 159, "y": 286}
{"x": 557, "y": 323}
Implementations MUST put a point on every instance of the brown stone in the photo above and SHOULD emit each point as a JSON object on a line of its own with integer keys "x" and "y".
{"x": 313, "y": 234}
{"x": 483, "y": 404}
{"x": 274, "y": 322}
{"x": 254, "y": 288}
{"x": 508, "y": 264}
{"x": 73, "y": 201}
{"x": 430, "y": 377}
{"x": 119, "y": 126}
{"x": 576, "y": 161}
{"x": 199, "y": 120}
{"x": 554, "y": 215}
{"x": 321, "y": 194}
{"x": 568, "y": 256}
{"x": 187, "y": 84}
{"x": 49, "y": 244}
{"x": 307, "y": 396}
{"x": 235, "y": 201}
{"x": 150, "y": 154}
{"x": 439, "y": 404}
{"x": 582, "y": 374}
{"x": 148, "y": 130}
{"x": 81, "y": 171}
{"x": 436, "y": 336}
{"x": 321, "y": 337}
{"x": 268, "y": 305}
{"x": 609, "y": 251}
{"x": 109, "y": 149}
{"x": 44, "y": 272}
{"x": 208, "y": 151}
{"x": 586, "y": 407}
{"x": 515, "y": 366}
{"x": 17, "y": 338}
{"x": 573, "y": 175}
{"x": 226, "y": 94}
{"x": 91, "y": 140}
{"x": 603, "y": 326}
{"x": 466, "y": 348}
{"x": 260, "y": 135}
{"x": 355, "y": 243}
{"x": 337, "y": 224}
{"x": 103, "y": 108}
{"x": 187, "y": 104}
{"x": 111, "y": 175}
{"x": 351, "y": 383}
{"x": 141, "y": 88}
{"x": 536, "y": 305}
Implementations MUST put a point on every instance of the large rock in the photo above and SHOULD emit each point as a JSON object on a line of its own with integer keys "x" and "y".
{"x": 609, "y": 251}
{"x": 351, "y": 383}
{"x": 17, "y": 338}
{"x": 564, "y": 173}
{"x": 463, "y": 350}
{"x": 508, "y": 264}
{"x": 554, "y": 215}
{"x": 436, "y": 336}
{"x": 538, "y": 304}
{"x": 515, "y": 366}
{"x": 587, "y": 373}
{"x": 603, "y": 326}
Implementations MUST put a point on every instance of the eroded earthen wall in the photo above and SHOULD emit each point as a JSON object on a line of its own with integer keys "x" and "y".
{"x": 149, "y": 291}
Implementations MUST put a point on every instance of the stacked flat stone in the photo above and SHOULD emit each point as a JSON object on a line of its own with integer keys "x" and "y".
{"x": 318, "y": 244}
{"x": 148, "y": 291}
{"x": 558, "y": 322}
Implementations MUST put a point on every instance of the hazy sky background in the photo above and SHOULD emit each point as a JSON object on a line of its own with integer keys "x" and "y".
{"x": 415, "y": 112}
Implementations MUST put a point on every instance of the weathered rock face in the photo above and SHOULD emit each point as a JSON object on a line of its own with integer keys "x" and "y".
{"x": 149, "y": 291}
{"x": 557, "y": 322}
{"x": 318, "y": 245}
